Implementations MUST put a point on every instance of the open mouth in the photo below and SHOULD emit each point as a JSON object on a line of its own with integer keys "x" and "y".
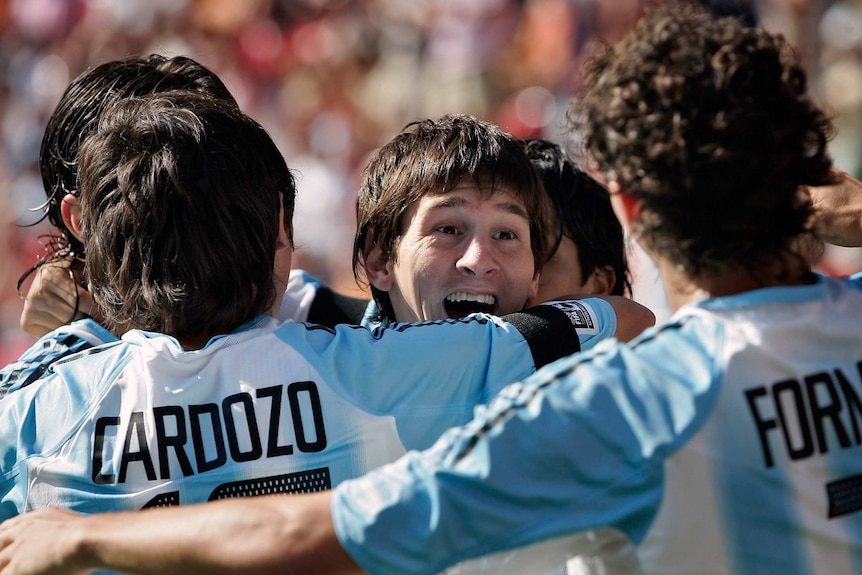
{"x": 460, "y": 304}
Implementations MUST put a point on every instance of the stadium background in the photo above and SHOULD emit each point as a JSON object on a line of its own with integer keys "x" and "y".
{"x": 333, "y": 79}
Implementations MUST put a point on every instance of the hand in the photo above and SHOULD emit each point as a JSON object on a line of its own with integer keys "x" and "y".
{"x": 41, "y": 542}
{"x": 837, "y": 217}
{"x": 54, "y": 299}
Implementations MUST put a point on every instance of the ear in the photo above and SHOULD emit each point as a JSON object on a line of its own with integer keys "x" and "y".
{"x": 378, "y": 268}
{"x": 282, "y": 264}
{"x": 602, "y": 280}
{"x": 285, "y": 232}
{"x": 626, "y": 207}
{"x": 70, "y": 211}
{"x": 534, "y": 287}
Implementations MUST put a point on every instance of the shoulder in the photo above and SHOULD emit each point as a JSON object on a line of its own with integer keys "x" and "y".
{"x": 54, "y": 346}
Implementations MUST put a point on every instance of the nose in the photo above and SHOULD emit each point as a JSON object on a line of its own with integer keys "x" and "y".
{"x": 478, "y": 257}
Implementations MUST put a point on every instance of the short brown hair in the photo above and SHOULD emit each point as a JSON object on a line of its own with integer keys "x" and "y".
{"x": 431, "y": 157}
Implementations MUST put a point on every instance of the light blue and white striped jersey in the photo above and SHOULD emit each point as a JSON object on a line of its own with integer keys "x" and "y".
{"x": 593, "y": 319}
{"x": 57, "y": 344}
{"x": 743, "y": 414}
{"x": 306, "y": 299}
{"x": 269, "y": 408}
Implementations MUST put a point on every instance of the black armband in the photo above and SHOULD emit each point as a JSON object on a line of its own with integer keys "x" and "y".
{"x": 330, "y": 308}
{"x": 549, "y": 330}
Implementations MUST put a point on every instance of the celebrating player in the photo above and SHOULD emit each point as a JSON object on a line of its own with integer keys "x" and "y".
{"x": 738, "y": 416}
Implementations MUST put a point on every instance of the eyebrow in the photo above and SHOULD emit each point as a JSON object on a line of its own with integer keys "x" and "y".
{"x": 450, "y": 201}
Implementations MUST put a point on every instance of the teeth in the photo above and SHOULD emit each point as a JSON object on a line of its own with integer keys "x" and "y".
{"x": 460, "y": 296}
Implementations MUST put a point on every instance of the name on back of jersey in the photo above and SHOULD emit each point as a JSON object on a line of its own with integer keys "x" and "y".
{"x": 166, "y": 441}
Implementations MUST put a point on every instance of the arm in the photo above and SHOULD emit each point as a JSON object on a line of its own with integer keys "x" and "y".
{"x": 632, "y": 317}
{"x": 54, "y": 299}
{"x": 276, "y": 534}
{"x": 837, "y": 215}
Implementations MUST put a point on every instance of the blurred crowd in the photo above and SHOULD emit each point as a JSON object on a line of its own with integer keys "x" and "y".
{"x": 333, "y": 79}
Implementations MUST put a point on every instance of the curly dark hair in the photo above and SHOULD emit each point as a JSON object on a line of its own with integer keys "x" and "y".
{"x": 708, "y": 124}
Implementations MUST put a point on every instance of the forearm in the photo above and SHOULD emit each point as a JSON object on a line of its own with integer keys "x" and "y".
{"x": 257, "y": 535}
{"x": 632, "y": 317}
{"x": 278, "y": 534}
{"x": 837, "y": 217}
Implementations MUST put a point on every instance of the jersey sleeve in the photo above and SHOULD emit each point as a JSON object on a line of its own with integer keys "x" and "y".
{"x": 580, "y": 445}
{"x": 37, "y": 421}
{"x": 555, "y": 329}
{"x": 427, "y": 376}
{"x": 55, "y": 345}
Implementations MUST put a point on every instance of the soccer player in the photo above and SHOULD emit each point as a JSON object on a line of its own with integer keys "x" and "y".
{"x": 443, "y": 216}
{"x": 495, "y": 173}
{"x": 58, "y": 294}
{"x": 726, "y": 441}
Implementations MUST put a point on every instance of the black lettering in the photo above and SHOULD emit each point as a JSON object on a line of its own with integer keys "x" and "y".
{"x": 273, "y": 449}
{"x": 854, "y": 404}
{"x": 829, "y": 410}
{"x": 798, "y": 410}
{"x": 293, "y": 391}
{"x": 763, "y": 425}
{"x": 819, "y": 402}
{"x": 136, "y": 428}
{"x": 256, "y": 450}
{"x": 177, "y": 441}
{"x": 195, "y": 413}
{"x": 98, "y": 446}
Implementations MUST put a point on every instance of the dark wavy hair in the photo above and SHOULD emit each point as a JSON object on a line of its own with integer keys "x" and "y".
{"x": 708, "y": 124}
{"x": 585, "y": 212}
{"x": 76, "y": 116}
{"x": 431, "y": 157}
{"x": 180, "y": 208}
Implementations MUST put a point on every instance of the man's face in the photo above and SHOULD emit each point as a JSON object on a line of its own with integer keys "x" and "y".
{"x": 561, "y": 275}
{"x": 461, "y": 253}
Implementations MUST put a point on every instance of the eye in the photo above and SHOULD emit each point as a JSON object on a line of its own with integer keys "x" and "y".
{"x": 506, "y": 235}
{"x": 451, "y": 230}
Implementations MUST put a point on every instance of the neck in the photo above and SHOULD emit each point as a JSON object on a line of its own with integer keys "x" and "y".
{"x": 683, "y": 288}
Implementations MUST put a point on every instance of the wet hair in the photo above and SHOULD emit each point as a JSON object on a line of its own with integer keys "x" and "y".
{"x": 584, "y": 211}
{"x": 76, "y": 115}
{"x": 432, "y": 157}
{"x": 708, "y": 124}
{"x": 180, "y": 210}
